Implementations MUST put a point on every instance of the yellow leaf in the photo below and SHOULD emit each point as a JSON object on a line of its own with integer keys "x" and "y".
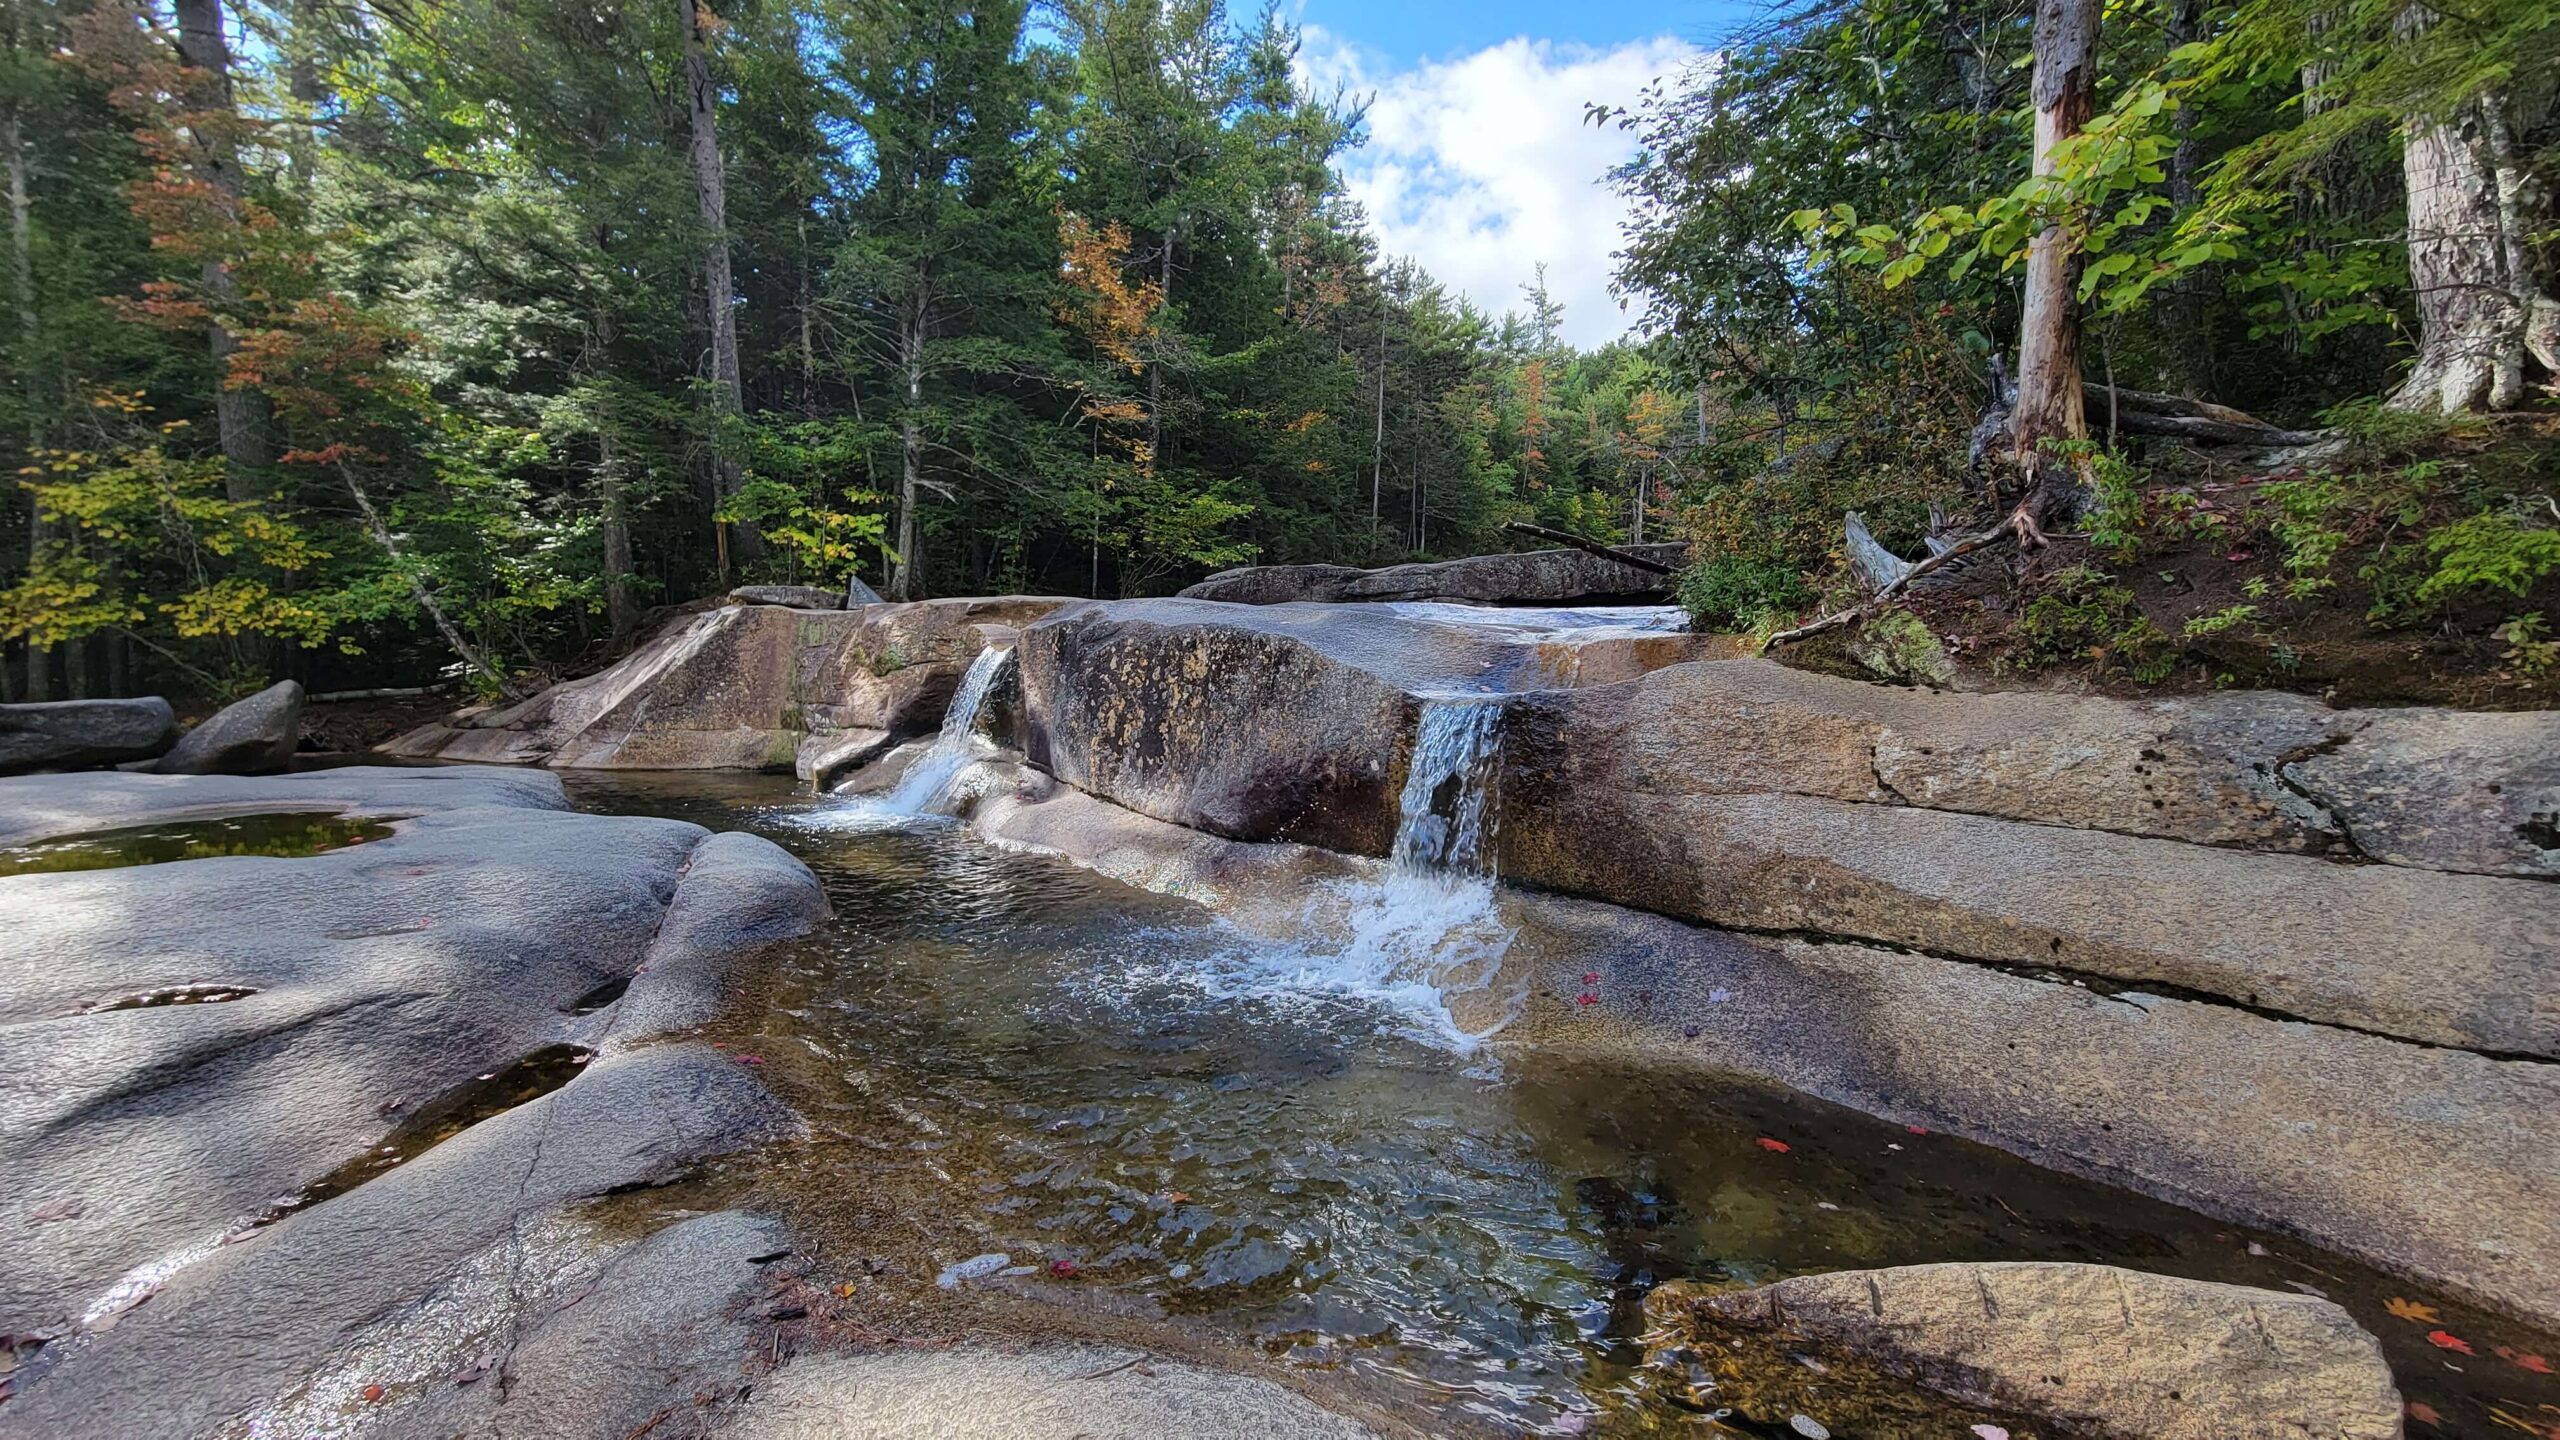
{"x": 2412, "y": 1311}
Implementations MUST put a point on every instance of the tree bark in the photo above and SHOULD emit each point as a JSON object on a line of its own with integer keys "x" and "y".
{"x": 419, "y": 590}
{"x": 2049, "y": 405}
{"x": 719, "y": 285}
{"x": 903, "y": 581}
{"x": 240, "y": 415}
{"x": 22, "y": 276}
{"x": 620, "y": 612}
{"x": 2484, "y": 314}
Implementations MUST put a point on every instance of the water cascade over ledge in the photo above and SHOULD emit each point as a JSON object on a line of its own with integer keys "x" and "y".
{"x": 926, "y": 790}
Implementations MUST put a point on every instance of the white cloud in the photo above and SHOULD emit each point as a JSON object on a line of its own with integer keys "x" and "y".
{"x": 1480, "y": 167}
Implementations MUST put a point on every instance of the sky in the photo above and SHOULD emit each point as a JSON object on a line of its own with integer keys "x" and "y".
{"x": 1479, "y": 163}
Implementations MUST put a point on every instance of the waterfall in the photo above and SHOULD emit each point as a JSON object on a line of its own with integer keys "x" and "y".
{"x": 1440, "y": 816}
{"x": 926, "y": 787}
{"x": 1430, "y": 930}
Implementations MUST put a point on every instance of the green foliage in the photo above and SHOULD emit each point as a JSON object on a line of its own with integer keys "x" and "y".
{"x": 2530, "y": 647}
{"x": 2493, "y": 551}
{"x": 1725, "y": 592}
{"x": 2082, "y": 614}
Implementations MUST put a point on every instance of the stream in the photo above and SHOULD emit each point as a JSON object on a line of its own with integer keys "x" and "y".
{"x": 1179, "y": 1135}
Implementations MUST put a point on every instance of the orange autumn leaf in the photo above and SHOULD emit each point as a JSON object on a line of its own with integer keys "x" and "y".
{"x": 2425, "y": 1414}
{"x": 2412, "y": 1311}
{"x": 1779, "y": 1147}
{"x": 2521, "y": 1360}
{"x": 2446, "y": 1340}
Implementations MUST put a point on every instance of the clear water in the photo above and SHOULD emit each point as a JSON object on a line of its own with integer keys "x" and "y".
{"x": 1002, "y": 1054}
{"x": 290, "y": 834}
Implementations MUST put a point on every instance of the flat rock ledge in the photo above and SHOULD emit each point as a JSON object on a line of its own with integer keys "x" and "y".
{"x": 186, "y": 1047}
{"x": 1529, "y": 577}
{"x": 745, "y": 686}
{"x": 2075, "y": 1350}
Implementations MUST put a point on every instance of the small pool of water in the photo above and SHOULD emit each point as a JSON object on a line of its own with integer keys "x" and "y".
{"x": 289, "y": 834}
{"x": 1002, "y": 1054}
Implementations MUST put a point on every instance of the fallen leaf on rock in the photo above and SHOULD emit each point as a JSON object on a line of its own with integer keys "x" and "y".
{"x": 2424, "y": 1413}
{"x": 1586, "y": 998}
{"x": 2412, "y": 1311}
{"x": 2522, "y": 1361}
{"x": 1780, "y": 1147}
{"x": 1062, "y": 1267}
{"x": 373, "y": 1394}
{"x": 2446, "y": 1340}
{"x": 1590, "y": 977}
{"x": 52, "y": 1210}
{"x": 845, "y": 1291}
{"x": 1917, "y": 1129}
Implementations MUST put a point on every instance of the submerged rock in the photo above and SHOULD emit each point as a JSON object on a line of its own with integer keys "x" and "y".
{"x": 2078, "y": 1350}
{"x": 77, "y": 734}
{"x": 739, "y": 688}
{"x": 1531, "y": 577}
{"x": 255, "y": 736}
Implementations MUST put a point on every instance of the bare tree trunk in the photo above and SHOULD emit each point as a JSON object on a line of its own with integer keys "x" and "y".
{"x": 22, "y": 277}
{"x": 2483, "y": 313}
{"x": 419, "y": 590}
{"x": 2049, "y": 406}
{"x": 903, "y": 581}
{"x": 719, "y": 286}
{"x": 1155, "y": 372}
{"x": 239, "y": 415}
{"x": 1378, "y": 445}
{"x": 620, "y": 612}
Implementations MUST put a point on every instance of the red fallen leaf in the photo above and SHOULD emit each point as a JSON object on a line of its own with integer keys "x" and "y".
{"x": 2447, "y": 1340}
{"x": 1586, "y": 998}
{"x": 1780, "y": 1147}
{"x": 2522, "y": 1361}
{"x": 2238, "y": 556}
{"x": 1590, "y": 977}
{"x": 750, "y": 1059}
{"x": 2425, "y": 1414}
{"x": 1917, "y": 1129}
{"x": 1062, "y": 1267}
{"x": 373, "y": 1394}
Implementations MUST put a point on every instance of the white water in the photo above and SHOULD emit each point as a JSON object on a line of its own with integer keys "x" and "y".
{"x": 1430, "y": 929}
{"x": 926, "y": 790}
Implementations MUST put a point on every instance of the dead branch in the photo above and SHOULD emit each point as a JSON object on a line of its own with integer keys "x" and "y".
{"x": 1564, "y": 537}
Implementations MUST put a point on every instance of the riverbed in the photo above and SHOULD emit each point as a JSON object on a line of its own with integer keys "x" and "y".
{"x": 1211, "y": 1141}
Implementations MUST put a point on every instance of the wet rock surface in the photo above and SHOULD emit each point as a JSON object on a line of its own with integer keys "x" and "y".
{"x": 1290, "y": 721}
{"x": 740, "y": 687}
{"x": 76, "y": 734}
{"x": 1049, "y": 1392}
{"x": 1531, "y": 577}
{"x": 328, "y": 1004}
{"x": 2074, "y": 1350}
{"x": 255, "y": 736}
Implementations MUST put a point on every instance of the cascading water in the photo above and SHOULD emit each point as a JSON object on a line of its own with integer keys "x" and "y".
{"x": 1428, "y": 931}
{"x": 926, "y": 788}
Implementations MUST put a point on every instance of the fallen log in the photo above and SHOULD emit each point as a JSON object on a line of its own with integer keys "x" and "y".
{"x": 1868, "y": 606}
{"x": 1567, "y": 537}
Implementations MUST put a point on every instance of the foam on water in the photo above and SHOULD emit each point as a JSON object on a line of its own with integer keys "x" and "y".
{"x": 1430, "y": 930}
{"x": 926, "y": 791}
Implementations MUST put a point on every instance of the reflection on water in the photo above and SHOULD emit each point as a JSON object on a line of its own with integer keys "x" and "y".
{"x": 1003, "y": 1054}
{"x": 287, "y": 834}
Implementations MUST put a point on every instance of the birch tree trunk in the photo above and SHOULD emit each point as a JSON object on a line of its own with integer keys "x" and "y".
{"x": 2049, "y": 405}
{"x": 239, "y": 415}
{"x": 719, "y": 285}
{"x": 2485, "y": 315}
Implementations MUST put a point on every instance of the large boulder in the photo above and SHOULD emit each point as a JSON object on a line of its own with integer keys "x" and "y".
{"x": 2077, "y": 1350}
{"x": 740, "y": 687}
{"x": 182, "y": 1044}
{"x": 77, "y": 734}
{"x": 1292, "y": 721}
{"x": 1533, "y": 577}
{"x": 2086, "y": 835}
{"x": 254, "y": 736}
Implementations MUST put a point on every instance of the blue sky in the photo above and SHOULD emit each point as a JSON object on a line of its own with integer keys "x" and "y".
{"x": 1408, "y": 34}
{"x": 1479, "y": 164}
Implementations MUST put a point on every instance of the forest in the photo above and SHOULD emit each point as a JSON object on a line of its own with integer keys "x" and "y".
{"x": 372, "y": 342}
